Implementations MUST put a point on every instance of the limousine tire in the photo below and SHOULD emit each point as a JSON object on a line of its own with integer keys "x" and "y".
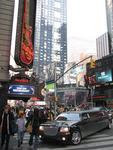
{"x": 76, "y": 137}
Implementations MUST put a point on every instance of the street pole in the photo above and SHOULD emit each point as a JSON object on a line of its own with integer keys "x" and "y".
{"x": 55, "y": 92}
{"x": 92, "y": 92}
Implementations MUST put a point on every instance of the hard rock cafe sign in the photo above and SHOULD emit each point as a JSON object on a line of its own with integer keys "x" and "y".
{"x": 26, "y": 53}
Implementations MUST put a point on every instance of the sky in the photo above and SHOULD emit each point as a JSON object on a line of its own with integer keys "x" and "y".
{"x": 86, "y": 20}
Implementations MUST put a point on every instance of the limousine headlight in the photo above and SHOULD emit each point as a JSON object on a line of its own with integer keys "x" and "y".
{"x": 64, "y": 129}
{"x": 41, "y": 128}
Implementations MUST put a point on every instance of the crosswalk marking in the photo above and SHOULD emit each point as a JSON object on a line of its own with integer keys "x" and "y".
{"x": 99, "y": 141}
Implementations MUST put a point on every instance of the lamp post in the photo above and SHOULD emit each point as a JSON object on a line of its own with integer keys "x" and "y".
{"x": 55, "y": 90}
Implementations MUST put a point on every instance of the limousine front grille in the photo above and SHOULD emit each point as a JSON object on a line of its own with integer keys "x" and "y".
{"x": 51, "y": 130}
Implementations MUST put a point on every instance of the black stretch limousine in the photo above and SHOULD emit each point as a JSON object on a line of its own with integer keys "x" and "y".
{"x": 71, "y": 127}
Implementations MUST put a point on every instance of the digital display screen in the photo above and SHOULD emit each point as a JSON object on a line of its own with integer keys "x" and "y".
{"x": 21, "y": 90}
{"x": 104, "y": 76}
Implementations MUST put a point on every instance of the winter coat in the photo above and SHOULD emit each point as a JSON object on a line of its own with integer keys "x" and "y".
{"x": 34, "y": 120}
{"x": 6, "y": 121}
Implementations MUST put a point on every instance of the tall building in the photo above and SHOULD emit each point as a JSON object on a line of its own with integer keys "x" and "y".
{"x": 109, "y": 14}
{"x": 50, "y": 42}
{"x": 102, "y": 46}
{"x": 6, "y": 23}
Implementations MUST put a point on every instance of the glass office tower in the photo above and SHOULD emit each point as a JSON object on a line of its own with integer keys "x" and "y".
{"x": 109, "y": 14}
{"x": 50, "y": 44}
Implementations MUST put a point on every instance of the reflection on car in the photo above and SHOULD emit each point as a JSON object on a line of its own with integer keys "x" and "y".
{"x": 72, "y": 126}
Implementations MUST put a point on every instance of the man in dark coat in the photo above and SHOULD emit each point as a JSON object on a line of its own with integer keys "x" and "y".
{"x": 6, "y": 118}
{"x": 34, "y": 120}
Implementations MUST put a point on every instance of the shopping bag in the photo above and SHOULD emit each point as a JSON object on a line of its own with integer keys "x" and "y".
{"x": 29, "y": 128}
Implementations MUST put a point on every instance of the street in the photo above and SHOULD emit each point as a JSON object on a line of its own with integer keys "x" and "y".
{"x": 102, "y": 140}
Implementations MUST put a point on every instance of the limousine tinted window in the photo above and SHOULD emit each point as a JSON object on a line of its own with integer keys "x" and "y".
{"x": 85, "y": 116}
{"x": 69, "y": 117}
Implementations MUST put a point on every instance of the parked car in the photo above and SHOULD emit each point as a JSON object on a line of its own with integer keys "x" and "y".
{"x": 73, "y": 126}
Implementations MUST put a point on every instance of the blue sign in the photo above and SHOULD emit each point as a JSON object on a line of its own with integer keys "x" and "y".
{"x": 21, "y": 90}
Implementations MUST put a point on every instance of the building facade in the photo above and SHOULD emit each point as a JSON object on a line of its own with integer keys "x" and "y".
{"x": 50, "y": 44}
{"x": 6, "y": 23}
{"x": 109, "y": 15}
{"x": 102, "y": 46}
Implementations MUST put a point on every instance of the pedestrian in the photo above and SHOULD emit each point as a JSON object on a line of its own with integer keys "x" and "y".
{"x": 34, "y": 120}
{"x": 21, "y": 128}
{"x": 26, "y": 113}
{"x": 50, "y": 115}
{"x": 43, "y": 116}
{"x": 6, "y": 119}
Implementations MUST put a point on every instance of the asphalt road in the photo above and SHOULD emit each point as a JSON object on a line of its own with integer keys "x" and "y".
{"x": 102, "y": 140}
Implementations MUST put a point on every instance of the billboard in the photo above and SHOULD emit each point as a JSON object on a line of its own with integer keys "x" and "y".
{"x": 50, "y": 72}
{"x": 104, "y": 76}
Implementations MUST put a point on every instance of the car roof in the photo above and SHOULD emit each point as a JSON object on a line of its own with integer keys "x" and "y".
{"x": 81, "y": 111}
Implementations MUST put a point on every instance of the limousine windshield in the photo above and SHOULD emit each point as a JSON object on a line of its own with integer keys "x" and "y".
{"x": 68, "y": 117}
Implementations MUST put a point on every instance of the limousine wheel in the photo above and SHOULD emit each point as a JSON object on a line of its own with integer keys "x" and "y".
{"x": 76, "y": 137}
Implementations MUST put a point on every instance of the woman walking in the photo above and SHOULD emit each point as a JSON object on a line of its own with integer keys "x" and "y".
{"x": 21, "y": 128}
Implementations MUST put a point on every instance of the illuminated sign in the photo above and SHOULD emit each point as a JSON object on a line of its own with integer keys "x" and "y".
{"x": 24, "y": 52}
{"x": 104, "y": 76}
{"x": 21, "y": 90}
{"x": 21, "y": 80}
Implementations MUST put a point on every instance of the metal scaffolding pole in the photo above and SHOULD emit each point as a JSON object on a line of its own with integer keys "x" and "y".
{"x": 55, "y": 92}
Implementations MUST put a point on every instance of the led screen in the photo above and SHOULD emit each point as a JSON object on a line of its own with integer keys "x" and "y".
{"x": 104, "y": 76}
{"x": 21, "y": 90}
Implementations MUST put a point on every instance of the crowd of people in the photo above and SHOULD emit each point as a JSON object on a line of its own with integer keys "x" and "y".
{"x": 17, "y": 120}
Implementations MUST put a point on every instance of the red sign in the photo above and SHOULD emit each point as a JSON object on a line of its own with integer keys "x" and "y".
{"x": 21, "y": 80}
{"x": 26, "y": 52}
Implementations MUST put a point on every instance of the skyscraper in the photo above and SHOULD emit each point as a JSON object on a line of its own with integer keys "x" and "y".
{"x": 102, "y": 45}
{"x": 50, "y": 44}
{"x": 109, "y": 14}
{"x": 6, "y": 23}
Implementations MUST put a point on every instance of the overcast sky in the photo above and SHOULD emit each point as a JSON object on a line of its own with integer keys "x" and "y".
{"x": 86, "y": 20}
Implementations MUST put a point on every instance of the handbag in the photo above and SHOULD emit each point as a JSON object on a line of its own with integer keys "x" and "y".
{"x": 29, "y": 128}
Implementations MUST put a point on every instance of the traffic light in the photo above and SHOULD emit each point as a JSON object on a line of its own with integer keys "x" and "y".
{"x": 92, "y": 63}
